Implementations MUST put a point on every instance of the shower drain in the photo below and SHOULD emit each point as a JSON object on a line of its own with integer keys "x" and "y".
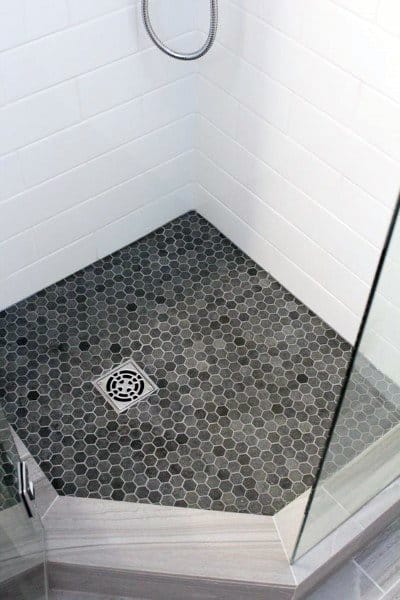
{"x": 125, "y": 386}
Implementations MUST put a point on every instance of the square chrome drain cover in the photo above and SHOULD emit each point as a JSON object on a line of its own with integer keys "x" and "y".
{"x": 125, "y": 386}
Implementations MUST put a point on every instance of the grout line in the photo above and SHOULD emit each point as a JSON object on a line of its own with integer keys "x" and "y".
{"x": 300, "y": 42}
{"x": 284, "y": 548}
{"x": 92, "y": 117}
{"x": 320, "y": 248}
{"x": 69, "y": 26}
{"x": 76, "y": 167}
{"x": 354, "y": 561}
{"x": 50, "y": 507}
{"x": 91, "y": 233}
{"x": 295, "y": 186}
{"x": 285, "y": 256}
{"x": 294, "y": 141}
{"x": 338, "y": 503}
{"x": 317, "y": 108}
{"x": 390, "y": 589}
{"x": 369, "y": 22}
{"x": 114, "y": 187}
{"x": 129, "y": 55}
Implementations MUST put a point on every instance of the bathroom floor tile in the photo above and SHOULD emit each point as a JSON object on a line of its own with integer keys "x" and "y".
{"x": 248, "y": 377}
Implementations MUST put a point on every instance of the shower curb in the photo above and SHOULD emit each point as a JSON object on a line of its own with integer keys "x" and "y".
{"x": 161, "y": 552}
{"x": 95, "y": 544}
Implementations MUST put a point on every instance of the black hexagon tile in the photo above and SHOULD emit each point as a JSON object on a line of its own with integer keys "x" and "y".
{"x": 247, "y": 377}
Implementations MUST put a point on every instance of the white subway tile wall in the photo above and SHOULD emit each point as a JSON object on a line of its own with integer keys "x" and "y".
{"x": 305, "y": 158}
{"x": 286, "y": 136}
{"x": 97, "y": 134}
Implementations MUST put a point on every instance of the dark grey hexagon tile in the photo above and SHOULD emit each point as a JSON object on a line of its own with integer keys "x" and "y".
{"x": 248, "y": 377}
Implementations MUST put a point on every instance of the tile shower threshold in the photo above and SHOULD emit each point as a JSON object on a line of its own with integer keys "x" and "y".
{"x": 120, "y": 546}
{"x": 164, "y": 552}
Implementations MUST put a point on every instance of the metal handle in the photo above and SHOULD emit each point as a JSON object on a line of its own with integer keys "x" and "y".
{"x": 26, "y": 489}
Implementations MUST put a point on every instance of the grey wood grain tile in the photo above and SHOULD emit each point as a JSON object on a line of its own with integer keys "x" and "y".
{"x": 349, "y": 583}
{"x": 70, "y": 595}
{"x": 386, "y": 503}
{"x": 393, "y": 593}
{"x": 148, "y": 586}
{"x": 160, "y": 539}
{"x": 29, "y": 584}
{"x": 381, "y": 558}
{"x": 21, "y": 542}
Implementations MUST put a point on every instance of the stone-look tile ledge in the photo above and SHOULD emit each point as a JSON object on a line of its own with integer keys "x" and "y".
{"x": 225, "y": 552}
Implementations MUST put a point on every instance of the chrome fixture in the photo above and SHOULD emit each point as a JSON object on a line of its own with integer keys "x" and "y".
{"x": 181, "y": 55}
{"x": 26, "y": 490}
{"x": 125, "y": 386}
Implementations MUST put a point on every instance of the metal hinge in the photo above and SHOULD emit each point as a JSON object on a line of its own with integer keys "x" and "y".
{"x": 26, "y": 490}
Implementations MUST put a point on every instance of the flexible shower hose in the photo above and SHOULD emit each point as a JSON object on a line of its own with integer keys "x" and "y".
{"x": 181, "y": 55}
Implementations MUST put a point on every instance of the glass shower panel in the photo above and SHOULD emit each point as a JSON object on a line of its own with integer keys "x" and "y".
{"x": 22, "y": 552}
{"x": 361, "y": 457}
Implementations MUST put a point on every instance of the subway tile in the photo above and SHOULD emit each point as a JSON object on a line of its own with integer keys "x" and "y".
{"x": 345, "y": 151}
{"x": 321, "y": 226}
{"x": 94, "y": 177}
{"x": 366, "y": 51}
{"x": 168, "y": 103}
{"x": 27, "y": 281}
{"x": 97, "y": 95}
{"x": 131, "y": 76}
{"x": 16, "y": 253}
{"x": 2, "y": 92}
{"x": 320, "y": 25}
{"x": 172, "y": 18}
{"x": 45, "y": 16}
{"x": 377, "y": 120}
{"x": 255, "y": 7}
{"x": 366, "y": 9}
{"x": 67, "y": 53}
{"x": 11, "y": 181}
{"x": 16, "y": 287}
{"x": 261, "y": 94}
{"x": 361, "y": 212}
{"x": 90, "y": 9}
{"x": 144, "y": 220}
{"x": 17, "y": 214}
{"x": 111, "y": 205}
{"x": 287, "y": 16}
{"x": 38, "y": 116}
{"x": 217, "y": 106}
{"x": 220, "y": 67}
{"x": 300, "y": 249}
{"x": 337, "y": 194}
{"x": 389, "y": 16}
{"x": 73, "y": 146}
{"x": 302, "y": 71}
{"x": 144, "y": 189}
{"x": 275, "y": 262}
{"x": 12, "y": 23}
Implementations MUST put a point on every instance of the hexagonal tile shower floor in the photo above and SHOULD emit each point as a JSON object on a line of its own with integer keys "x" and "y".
{"x": 248, "y": 377}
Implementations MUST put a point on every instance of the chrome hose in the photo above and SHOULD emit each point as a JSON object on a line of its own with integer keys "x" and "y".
{"x": 181, "y": 55}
